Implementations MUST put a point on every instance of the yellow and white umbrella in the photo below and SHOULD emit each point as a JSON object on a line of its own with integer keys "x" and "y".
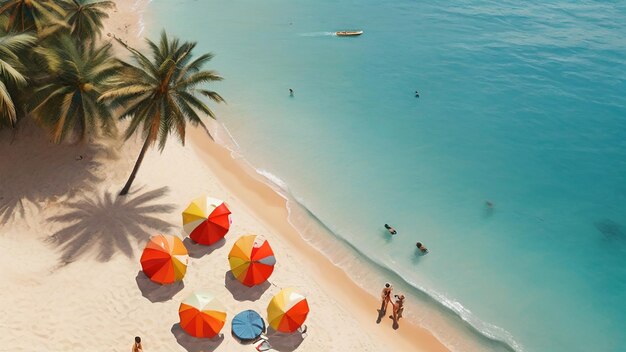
{"x": 206, "y": 220}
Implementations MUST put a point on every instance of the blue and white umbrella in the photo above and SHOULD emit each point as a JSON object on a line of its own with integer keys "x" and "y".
{"x": 248, "y": 325}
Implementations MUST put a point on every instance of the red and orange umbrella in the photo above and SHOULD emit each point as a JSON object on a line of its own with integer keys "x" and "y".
{"x": 201, "y": 315}
{"x": 165, "y": 259}
{"x": 206, "y": 220}
{"x": 251, "y": 260}
{"x": 287, "y": 310}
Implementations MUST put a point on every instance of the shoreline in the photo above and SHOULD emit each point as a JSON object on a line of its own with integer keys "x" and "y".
{"x": 270, "y": 208}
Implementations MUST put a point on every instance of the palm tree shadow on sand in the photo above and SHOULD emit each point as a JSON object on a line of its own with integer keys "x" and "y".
{"x": 107, "y": 224}
{"x": 192, "y": 344}
{"x": 35, "y": 173}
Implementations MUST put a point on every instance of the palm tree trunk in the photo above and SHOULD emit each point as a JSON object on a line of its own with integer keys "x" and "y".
{"x": 126, "y": 188}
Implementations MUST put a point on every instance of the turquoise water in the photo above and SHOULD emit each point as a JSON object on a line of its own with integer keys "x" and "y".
{"x": 522, "y": 104}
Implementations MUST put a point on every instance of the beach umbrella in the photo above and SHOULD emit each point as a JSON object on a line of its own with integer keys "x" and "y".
{"x": 251, "y": 260}
{"x": 248, "y": 325}
{"x": 165, "y": 259}
{"x": 287, "y": 310}
{"x": 201, "y": 315}
{"x": 206, "y": 220}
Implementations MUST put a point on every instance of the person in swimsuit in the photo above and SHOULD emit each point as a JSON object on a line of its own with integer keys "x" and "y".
{"x": 290, "y": 92}
{"x": 417, "y": 94}
{"x": 391, "y": 229}
{"x": 421, "y": 247}
{"x": 137, "y": 345}
{"x": 398, "y": 307}
{"x": 386, "y": 296}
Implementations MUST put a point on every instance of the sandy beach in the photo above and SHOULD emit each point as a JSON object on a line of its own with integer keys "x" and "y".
{"x": 70, "y": 248}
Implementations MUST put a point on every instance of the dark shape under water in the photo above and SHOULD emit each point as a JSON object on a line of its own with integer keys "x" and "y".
{"x": 609, "y": 228}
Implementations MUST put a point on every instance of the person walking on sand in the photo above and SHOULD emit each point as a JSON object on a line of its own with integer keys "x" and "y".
{"x": 386, "y": 297}
{"x": 398, "y": 307}
{"x": 391, "y": 229}
{"x": 137, "y": 345}
{"x": 421, "y": 247}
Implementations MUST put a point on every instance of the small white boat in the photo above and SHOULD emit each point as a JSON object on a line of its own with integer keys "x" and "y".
{"x": 348, "y": 33}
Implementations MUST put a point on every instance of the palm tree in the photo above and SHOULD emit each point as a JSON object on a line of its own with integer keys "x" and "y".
{"x": 68, "y": 102}
{"x": 161, "y": 95}
{"x": 85, "y": 18}
{"x": 26, "y": 15}
{"x": 10, "y": 75}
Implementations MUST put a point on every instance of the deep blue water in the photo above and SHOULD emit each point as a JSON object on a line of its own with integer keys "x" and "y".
{"x": 521, "y": 103}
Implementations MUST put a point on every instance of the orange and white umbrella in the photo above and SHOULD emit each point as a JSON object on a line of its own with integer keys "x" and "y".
{"x": 165, "y": 259}
{"x": 206, "y": 220}
{"x": 201, "y": 315}
{"x": 287, "y": 310}
{"x": 251, "y": 260}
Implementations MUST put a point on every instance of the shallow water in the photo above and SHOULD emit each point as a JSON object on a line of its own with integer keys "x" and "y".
{"x": 520, "y": 104}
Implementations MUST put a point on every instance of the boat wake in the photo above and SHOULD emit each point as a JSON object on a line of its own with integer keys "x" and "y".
{"x": 317, "y": 34}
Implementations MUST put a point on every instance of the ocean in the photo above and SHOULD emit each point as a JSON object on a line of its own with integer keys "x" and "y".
{"x": 522, "y": 104}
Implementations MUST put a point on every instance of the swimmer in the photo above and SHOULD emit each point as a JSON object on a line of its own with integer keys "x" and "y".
{"x": 290, "y": 92}
{"x": 421, "y": 247}
{"x": 391, "y": 229}
{"x": 489, "y": 204}
{"x": 417, "y": 94}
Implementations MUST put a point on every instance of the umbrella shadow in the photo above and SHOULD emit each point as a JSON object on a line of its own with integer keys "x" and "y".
{"x": 284, "y": 342}
{"x": 242, "y": 292}
{"x": 193, "y": 344}
{"x": 155, "y": 292}
{"x": 109, "y": 223}
{"x": 36, "y": 174}
{"x": 242, "y": 342}
{"x": 197, "y": 250}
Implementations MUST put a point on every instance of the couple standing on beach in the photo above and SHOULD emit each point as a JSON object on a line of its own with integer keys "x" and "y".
{"x": 398, "y": 305}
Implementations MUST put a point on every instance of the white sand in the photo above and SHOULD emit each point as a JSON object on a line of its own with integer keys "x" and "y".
{"x": 70, "y": 248}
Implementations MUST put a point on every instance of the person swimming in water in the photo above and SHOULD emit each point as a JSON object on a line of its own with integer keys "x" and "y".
{"x": 391, "y": 229}
{"x": 421, "y": 247}
{"x": 417, "y": 94}
{"x": 290, "y": 92}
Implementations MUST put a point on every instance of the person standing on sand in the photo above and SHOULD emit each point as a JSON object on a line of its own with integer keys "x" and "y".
{"x": 398, "y": 307}
{"x": 137, "y": 345}
{"x": 386, "y": 297}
